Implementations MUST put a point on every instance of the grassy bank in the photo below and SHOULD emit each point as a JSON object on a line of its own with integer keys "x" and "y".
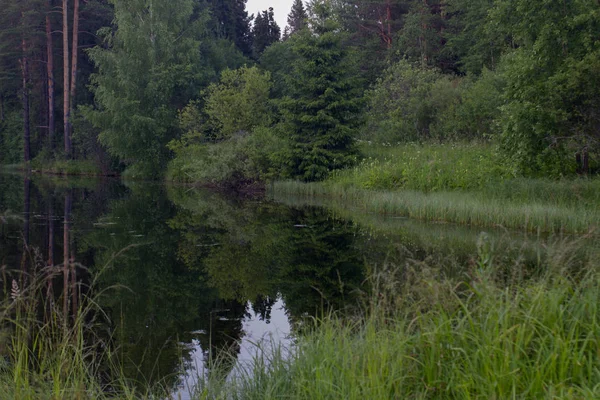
{"x": 426, "y": 337}
{"x": 460, "y": 184}
{"x": 59, "y": 167}
{"x": 456, "y": 207}
{"x": 50, "y": 352}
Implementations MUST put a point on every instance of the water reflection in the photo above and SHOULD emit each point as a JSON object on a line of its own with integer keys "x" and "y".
{"x": 185, "y": 276}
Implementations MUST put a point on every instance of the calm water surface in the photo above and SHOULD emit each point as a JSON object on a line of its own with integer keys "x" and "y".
{"x": 186, "y": 275}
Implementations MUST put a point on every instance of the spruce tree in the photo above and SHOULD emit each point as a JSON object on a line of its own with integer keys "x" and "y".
{"x": 323, "y": 112}
{"x": 231, "y": 21}
{"x": 265, "y": 32}
{"x": 297, "y": 17}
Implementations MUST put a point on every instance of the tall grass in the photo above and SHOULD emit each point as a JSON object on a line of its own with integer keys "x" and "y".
{"x": 459, "y": 183}
{"x": 424, "y": 336}
{"x": 50, "y": 354}
{"x": 456, "y": 207}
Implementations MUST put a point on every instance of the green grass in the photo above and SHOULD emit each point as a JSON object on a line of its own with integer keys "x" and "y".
{"x": 456, "y": 207}
{"x": 47, "y": 354}
{"x": 423, "y": 336}
{"x": 428, "y": 167}
{"x": 460, "y": 183}
{"x": 68, "y": 167}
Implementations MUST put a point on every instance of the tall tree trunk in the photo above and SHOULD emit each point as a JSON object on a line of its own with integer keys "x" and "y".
{"x": 26, "y": 122}
{"x": 50, "y": 73}
{"x": 1, "y": 108}
{"x": 66, "y": 86}
{"x": 66, "y": 254}
{"x": 74, "y": 55}
{"x": 389, "y": 23}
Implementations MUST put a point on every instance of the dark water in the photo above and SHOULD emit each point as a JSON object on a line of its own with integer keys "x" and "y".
{"x": 185, "y": 275}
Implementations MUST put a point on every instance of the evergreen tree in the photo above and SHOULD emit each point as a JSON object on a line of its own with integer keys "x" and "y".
{"x": 232, "y": 22}
{"x": 265, "y": 32}
{"x": 297, "y": 17}
{"x": 322, "y": 113}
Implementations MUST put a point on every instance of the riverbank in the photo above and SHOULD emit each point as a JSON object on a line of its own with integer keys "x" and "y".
{"x": 491, "y": 334}
{"x": 84, "y": 168}
{"x": 457, "y": 184}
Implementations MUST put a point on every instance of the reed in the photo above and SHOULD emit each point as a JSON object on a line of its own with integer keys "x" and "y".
{"x": 455, "y": 207}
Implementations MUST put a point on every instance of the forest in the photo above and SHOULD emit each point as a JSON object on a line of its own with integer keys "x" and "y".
{"x": 380, "y": 199}
{"x": 201, "y": 91}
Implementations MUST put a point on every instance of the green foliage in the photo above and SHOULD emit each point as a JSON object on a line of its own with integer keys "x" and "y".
{"x": 230, "y": 20}
{"x": 265, "y": 32}
{"x": 236, "y": 119}
{"x": 150, "y": 62}
{"x": 407, "y": 102}
{"x": 11, "y": 138}
{"x": 427, "y": 336}
{"x": 471, "y": 40}
{"x": 425, "y": 167}
{"x": 322, "y": 113}
{"x": 551, "y": 96}
{"x": 420, "y": 39}
{"x": 277, "y": 59}
{"x": 239, "y": 160}
{"x": 298, "y": 17}
{"x": 476, "y": 115}
{"x": 238, "y": 103}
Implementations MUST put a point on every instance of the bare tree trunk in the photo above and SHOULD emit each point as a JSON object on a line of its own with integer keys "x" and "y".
{"x": 389, "y": 24}
{"x": 26, "y": 118}
{"x": 50, "y": 73}
{"x": 66, "y": 255}
{"x": 74, "y": 56}
{"x": 66, "y": 86}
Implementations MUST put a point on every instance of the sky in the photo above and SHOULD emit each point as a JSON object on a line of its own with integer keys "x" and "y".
{"x": 280, "y": 7}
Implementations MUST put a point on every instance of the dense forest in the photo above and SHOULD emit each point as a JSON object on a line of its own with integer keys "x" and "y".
{"x": 201, "y": 91}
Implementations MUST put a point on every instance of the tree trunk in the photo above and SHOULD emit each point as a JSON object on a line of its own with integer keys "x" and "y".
{"x": 26, "y": 122}
{"x": 50, "y": 73}
{"x": 74, "y": 58}
{"x": 389, "y": 23}
{"x": 66, "y": 86}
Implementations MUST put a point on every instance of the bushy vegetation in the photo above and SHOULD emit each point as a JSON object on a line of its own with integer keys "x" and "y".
{"x": 424, "y": 167}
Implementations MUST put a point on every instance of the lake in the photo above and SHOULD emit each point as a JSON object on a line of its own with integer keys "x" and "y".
{"x": 185, "y": 275}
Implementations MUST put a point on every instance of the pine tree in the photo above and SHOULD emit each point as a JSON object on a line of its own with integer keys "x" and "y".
{"x": 322, "y": 114}
{"x": 297, "y": 17}
{"x": 265, "y": 32}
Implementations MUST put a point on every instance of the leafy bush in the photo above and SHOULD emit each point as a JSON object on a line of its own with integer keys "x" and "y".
{"x": 407, "y": 102}
{"x": 475, "y": 115}
{"x": 241, "y": 159}
{"x": 239, "y": 102}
